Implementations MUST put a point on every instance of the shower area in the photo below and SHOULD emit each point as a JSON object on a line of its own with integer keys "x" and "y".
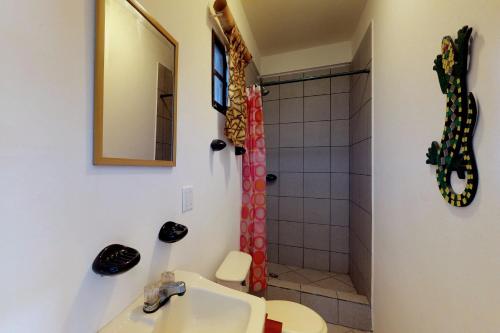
{"x": 318, "y": 142}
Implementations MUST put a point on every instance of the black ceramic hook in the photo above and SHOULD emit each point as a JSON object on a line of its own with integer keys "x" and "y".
{"x": 239, "y": 151}
{"x": 217, "y": 145}
{"x": 172, "y": 232}
{"x": 271, "y": 178}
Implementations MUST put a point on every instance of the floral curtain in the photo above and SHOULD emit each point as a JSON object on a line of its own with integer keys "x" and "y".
{"x": 253, "y": 238}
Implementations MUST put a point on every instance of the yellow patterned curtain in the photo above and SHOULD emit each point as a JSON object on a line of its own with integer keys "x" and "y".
{"x": 236, "y": 115}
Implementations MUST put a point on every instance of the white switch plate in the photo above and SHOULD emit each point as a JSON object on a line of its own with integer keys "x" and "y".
{"x": 187, "y": 198}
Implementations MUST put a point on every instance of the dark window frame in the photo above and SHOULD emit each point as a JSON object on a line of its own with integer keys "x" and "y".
{"x": 216, "y": 43}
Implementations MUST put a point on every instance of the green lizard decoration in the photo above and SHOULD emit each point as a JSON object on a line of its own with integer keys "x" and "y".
{"x": 455, "y": 153}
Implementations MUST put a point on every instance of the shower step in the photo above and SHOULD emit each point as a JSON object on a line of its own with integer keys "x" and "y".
{"x": 342, "y": 307}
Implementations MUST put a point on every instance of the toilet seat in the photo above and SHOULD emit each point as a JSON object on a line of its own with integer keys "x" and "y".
{"x": 296, "y": 318}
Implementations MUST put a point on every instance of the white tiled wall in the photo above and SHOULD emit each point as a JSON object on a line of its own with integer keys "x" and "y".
{"x": 360, "y": 171}
{"x": 307, "y": 139}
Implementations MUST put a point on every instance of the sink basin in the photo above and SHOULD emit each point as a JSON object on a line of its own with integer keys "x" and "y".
{"x": 207, "y": 307}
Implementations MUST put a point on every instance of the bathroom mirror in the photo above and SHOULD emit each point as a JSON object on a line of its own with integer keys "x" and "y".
{"x": 135, "y": 87}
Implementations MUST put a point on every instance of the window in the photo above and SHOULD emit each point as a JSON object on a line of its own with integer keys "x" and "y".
{"x": 220, "y": 75}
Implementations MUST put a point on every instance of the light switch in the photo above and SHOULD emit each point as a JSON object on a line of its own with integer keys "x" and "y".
{"x": 187, "y": 198}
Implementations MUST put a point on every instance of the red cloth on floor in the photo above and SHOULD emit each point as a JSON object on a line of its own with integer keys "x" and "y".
{"x": 273, "y": 326}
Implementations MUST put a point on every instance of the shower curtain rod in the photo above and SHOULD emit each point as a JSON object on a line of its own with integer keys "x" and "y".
{"x": 274, "y": 83}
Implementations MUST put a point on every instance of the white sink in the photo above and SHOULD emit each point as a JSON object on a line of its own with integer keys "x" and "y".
{"x": 207, "y": 307}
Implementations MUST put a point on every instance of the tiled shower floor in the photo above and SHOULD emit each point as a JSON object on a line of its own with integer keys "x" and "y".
{"x": 313, "y": 278}
{"x": 342, "y": 329}
{"x": 331, "y": 295}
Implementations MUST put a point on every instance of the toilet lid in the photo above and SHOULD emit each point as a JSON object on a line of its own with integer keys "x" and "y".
{"x": 235, "y": 267}
{"x": 296, "y": 318}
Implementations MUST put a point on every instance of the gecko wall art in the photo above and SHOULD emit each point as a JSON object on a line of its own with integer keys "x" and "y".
{"x": 455, "y": 152}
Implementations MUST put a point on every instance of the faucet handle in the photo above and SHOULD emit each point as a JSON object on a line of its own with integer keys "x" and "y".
{"x": 167, "y": 277}
{"x": 152, "y": 293}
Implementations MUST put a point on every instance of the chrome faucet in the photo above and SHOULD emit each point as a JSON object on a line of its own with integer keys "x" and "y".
{"x": 158, "y": 294}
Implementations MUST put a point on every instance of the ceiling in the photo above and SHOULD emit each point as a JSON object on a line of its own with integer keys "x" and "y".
{"x": 287, "y": 25}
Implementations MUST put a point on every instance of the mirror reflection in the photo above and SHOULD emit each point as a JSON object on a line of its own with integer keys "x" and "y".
{"x": 138, "y": 88}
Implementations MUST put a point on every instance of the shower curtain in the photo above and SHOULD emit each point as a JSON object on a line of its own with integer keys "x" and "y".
{"x": 253, "y": 212}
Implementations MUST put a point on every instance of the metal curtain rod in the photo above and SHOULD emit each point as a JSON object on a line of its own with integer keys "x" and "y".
{"x": 274, "y": 83}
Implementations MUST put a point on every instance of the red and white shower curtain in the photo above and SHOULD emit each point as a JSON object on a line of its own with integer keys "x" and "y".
{"x": 253, "y": 238}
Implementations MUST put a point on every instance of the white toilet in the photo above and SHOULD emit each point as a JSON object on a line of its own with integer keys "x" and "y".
{"x": 296, "y": 318}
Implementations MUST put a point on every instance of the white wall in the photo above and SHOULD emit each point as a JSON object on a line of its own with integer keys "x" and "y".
{"x": 320, "y": 56}
{"x": 436, "y": 268}
{"x": 58, "y": 211}
{"x": 131, "y": 82}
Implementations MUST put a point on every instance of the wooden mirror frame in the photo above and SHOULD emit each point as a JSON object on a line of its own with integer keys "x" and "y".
{"x": 99, "y": 159}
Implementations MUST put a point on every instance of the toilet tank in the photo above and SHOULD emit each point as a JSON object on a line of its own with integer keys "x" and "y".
{"x": 233, "y": 272}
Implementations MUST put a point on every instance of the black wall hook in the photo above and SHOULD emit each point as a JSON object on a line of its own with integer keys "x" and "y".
{"x": 271, "y": 178}
{"x": 217, "y": 145}
{"x": 172, "y": 232}
{"x": 239, "y": 151}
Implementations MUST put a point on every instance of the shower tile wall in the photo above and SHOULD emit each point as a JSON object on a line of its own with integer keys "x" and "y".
{"x": 307, "y": 140}
{"x": 360, "y": 232}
